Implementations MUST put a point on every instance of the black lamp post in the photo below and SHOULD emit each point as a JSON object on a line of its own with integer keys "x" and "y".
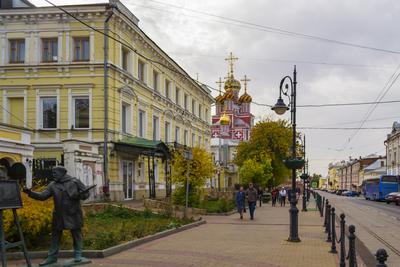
{"x": 304, "y": 177}
{"x": 294, "y": 162}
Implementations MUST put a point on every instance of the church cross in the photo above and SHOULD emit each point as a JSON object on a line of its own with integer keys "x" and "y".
{"x": 231, "y": 59}
{"x": 219, "y": 82}
{"x": 245, "y": 80}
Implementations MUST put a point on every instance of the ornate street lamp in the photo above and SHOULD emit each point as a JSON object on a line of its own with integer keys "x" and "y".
{"x": 294, "y": 162}
{"x": 304, "y": 177}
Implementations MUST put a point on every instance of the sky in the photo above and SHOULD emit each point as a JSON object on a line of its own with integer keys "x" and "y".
{"x": 328, "y": 72}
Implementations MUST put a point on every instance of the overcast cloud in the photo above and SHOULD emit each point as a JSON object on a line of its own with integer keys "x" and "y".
{"x": 199, "y": 44}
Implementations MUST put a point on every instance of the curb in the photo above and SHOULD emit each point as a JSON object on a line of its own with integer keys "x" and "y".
{"x": 108, "y": 251}
{"x": 222, "y": 214}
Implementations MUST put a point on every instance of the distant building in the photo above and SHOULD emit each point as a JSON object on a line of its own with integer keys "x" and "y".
{"x": 334, "y": 175}
{"x": 374, "y": 170}
{"x": 392, "y": 150}
{"x": 231, "y": 124}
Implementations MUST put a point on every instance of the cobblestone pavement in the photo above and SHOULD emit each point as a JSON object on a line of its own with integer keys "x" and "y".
{"x": 229, "y": 241}
{"x": 377, "y": 224}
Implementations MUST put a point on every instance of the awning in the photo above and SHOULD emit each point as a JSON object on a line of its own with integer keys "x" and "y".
{"x": 142, "y": 146}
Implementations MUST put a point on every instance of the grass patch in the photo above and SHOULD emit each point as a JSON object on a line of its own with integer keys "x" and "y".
{"x": 115, "y": 225}
{"x": 217, "y": 206}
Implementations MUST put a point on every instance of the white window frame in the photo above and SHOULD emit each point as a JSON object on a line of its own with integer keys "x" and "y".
{"x": 140, "y": 171}
{"x": 156, "y": 172}
{"x": 177, "y": 95}
{"x": 167, "y": 85}
{"x": 144, "y": 124}
{"x": 177, "y": 134}
{"x": 167, "y": 131}
{"x": 40, "y": 111}
{"x": 128, "y": 59}
{"x": 186, "y": 101}
{"x": 193, "y": 140}
{"x": 156, "y": 128}
{"x": 128, "y": 162}
{"x": 193, "y": 106}
{"x": 73, "y": 98}
{"x": 156, "y": 80}
{"x": 128, "y": 119}
{"x": 144, "y": 80}
{"x": 185, "y": 137}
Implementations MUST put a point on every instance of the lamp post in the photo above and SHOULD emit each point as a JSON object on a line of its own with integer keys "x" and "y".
{"x": 188, "y": 156}
{"x": 292, "y": 163}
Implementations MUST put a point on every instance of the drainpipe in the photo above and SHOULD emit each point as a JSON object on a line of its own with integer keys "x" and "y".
{"x": 106, "y": 188}
{"x": 386, "y": 145}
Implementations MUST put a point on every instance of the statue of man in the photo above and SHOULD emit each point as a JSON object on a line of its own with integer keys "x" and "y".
{"x": 67, "y": 193}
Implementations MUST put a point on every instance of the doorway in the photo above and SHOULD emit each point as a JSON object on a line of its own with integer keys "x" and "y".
{"x": 128, "y": 180}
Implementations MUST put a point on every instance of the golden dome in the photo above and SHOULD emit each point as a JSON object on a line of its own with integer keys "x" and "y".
{"x": 219, "y": 99}
{"x": 229, "y": 95}
{"x": 224, "y": 120}
{"x": 231, "y": 83}
{"x": 245, "y": 98}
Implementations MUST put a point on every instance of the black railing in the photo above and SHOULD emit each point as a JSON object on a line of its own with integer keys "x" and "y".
{"x": 350, "y": 256}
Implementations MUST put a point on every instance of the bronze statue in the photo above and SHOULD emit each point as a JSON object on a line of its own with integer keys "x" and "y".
{"x": 67, "y": 193}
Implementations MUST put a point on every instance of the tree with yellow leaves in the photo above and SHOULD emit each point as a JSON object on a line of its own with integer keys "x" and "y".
{"x": 201, "y": 169}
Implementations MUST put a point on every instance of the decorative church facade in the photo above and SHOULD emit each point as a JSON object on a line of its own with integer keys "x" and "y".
{"x": 231, "y": 124}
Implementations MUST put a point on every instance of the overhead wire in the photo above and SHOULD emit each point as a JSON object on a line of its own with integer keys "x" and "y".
{"x": 277, "y": 30}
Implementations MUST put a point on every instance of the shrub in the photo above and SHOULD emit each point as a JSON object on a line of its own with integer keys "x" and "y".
{"x": 179, "y": 197}
{"x": 217, "y": 206}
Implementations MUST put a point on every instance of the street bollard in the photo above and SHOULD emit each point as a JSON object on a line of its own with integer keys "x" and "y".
{"x": 322, "y": 206}
{"x": 326, "y": 214}
{"x": 352, "y": 246}
{"x": 342, "y": 240}
{"x": 333, "y": 245}
{"x": 328, "y": 224}
{"x": 381, "y": 256}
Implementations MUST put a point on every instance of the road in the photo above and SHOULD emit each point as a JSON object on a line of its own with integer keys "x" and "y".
{"x": 377, "y": 223}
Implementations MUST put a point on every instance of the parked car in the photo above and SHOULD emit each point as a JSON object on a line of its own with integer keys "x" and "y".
{"x": 351, "y": 194}
{"x": 393, "y": 197}
{"x": 339, "y": 192}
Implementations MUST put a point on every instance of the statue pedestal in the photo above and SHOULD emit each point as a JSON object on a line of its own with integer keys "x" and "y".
{"x": 66, "y": 263}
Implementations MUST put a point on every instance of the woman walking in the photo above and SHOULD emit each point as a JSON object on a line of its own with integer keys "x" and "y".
{"x": 240, "y": 198}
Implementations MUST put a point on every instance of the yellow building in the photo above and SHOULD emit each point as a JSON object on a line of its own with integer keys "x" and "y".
{"x": 333, "y": 176}
{"x": 16, "y": 153}
{"x": 53, "y": 81}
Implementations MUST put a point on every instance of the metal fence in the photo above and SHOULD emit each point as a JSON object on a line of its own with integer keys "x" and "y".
{"x": 346, "y": 256}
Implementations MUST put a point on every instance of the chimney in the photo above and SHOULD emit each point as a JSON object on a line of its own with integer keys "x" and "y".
{"x": 6, "y": 4}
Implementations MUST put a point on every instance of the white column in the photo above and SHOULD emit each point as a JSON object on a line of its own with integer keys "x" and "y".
{"x": 3, "y": 47}
{"x": 67, "y": 48}
{"x": 60, "y": 56}
{"x": 91, "y": 41}
{"x": 36, "y": 48}
{"x": 28, "y": 60}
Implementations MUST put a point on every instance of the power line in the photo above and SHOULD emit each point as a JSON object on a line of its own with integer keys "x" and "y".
{"x": 344, "y": 128}
{"x": 279, "y": 30}
{"x": 348, "y": 104}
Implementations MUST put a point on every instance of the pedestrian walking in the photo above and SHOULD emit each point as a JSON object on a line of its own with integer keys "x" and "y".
{"x": 282, "y": 196}
{"x": 240, "y": 199}
{"x": 252, "y": 199}
{"x": 260, "y": 193}
{"x": 274, "y": 195}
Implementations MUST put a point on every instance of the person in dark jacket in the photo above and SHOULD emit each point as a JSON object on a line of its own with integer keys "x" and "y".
{"x": 240, "y": 198}
{"x": 260, "y": 193}
{"x": 67, "y": 192}
{"x": 252, "y": 199}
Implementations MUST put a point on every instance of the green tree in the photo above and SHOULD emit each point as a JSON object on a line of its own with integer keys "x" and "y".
{"x": 269, "y": 140}
{"x": 201, "y": 169}
{"x": 257, "y": 172}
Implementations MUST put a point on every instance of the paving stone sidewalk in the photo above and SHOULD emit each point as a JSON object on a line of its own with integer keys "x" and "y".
{"x": 229, "y": 241}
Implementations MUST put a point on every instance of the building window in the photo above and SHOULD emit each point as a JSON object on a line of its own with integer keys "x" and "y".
{"x": 186, "y": 102}
{"x": 81, "y": 110}
{"x": 167, "y": 89}
{"x": 141, "y": 123}
{"x": 193, "y": 140}
{"x": 48, "y": 106}
{"x": 155, "y": 80}
{"x": 177, "y": 92}
{"x": 193, "y": 106}
{"x": 155, "y": 168}
{"x": 141, "y": 71}
{"x": 185, "y": 137}
{"x": 126, "y": 118}
{"x": 49, "y": 50}
{"x": 200, "y": 112}
{"x": 206, "y": 114}
{"x": 140, "y": 171}
{"x": 81, "y": 49}
{"x": 156, "y": 128}
{"x": 125, "y": 58}
{"x": 177, "y": 134}
{"x": 199, "y": 140}
{"x": 167, "y": 132}
{"x": 17, "y": 50}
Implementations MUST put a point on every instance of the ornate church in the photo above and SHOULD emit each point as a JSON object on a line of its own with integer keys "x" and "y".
{"x": 233, "y": 119}
{"x": 231, "y": 124}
